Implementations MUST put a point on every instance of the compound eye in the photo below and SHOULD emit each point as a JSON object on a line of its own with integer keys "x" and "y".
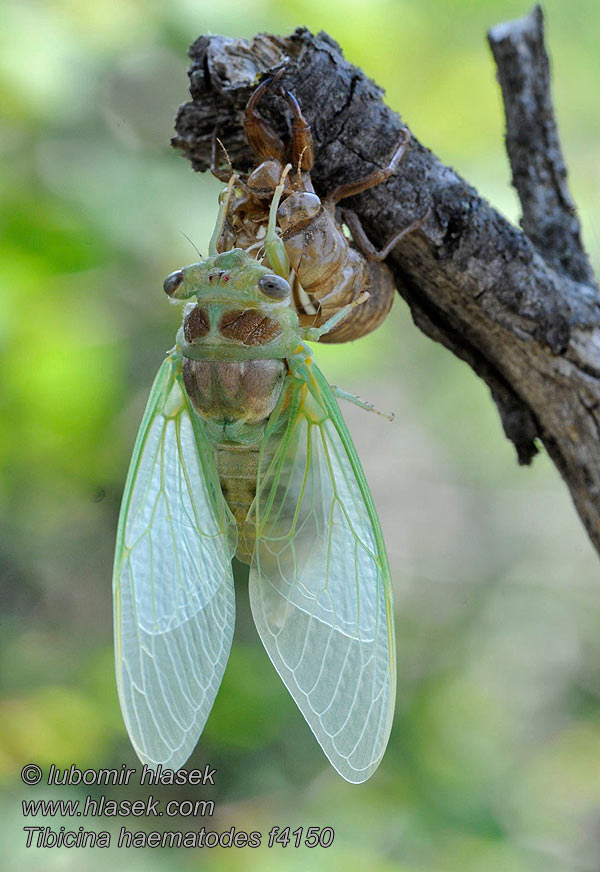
{"x": 274, "y": 286}
{"x": 172, "y": 282}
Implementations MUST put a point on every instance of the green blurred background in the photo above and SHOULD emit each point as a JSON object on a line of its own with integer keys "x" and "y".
{"x": 494, "y": 759}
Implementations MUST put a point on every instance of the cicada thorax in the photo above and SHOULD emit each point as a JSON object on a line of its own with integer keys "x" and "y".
{"x": 247, "y": 326}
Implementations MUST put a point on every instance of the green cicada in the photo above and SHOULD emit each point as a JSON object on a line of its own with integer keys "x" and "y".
{"x": 243, "y": 450}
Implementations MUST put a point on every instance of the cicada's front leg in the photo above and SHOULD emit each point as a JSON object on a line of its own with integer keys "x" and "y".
{"x": 265, "y": 142}
{"x": 303, "y": 155}
{"x": 262, "y": 139}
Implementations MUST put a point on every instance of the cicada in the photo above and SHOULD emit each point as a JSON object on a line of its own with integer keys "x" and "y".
{"x": 243, "y": 451}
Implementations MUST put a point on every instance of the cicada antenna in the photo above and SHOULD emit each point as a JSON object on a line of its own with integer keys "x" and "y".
{"x": 219, "y": 174}
{"x": 227, "y": 158}
{"x": 193, "y": 244}
{"x": 213, "y": 165}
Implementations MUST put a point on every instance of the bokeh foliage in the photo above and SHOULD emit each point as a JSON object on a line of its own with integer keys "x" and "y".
{"x": 494, "y": 760}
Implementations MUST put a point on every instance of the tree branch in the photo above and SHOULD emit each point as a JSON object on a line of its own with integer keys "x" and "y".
{"x": 539, "y": 173}
{"x": 523, "y": 312}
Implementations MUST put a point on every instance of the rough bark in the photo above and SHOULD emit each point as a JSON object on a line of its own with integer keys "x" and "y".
{"x": 521, "y": 307}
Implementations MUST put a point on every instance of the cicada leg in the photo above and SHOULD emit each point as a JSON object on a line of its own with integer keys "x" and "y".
{"x": 341, "y": 394}
{"x": 373, "y": 179}
{"x": 274, "y": 247}
{"x": 303, "y": 155}
{"x": 365, "y": 245}
{"x": 380, "y": 281}
{"x": 262, "y": 139}
{"x": 265, "y": 142}
{"x": 220, "y": 174}
{"x": 224, "y": 198}
{"x": 313, "y": 334}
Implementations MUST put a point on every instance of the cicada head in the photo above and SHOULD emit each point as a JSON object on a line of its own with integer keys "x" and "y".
{"x": 243, "y": 309}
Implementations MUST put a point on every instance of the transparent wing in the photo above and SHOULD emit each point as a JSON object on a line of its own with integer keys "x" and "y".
{"x": 319, "y": 583}
{"x": 173, "y": 584}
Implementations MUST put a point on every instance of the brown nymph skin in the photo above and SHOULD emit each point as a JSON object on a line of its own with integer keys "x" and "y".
{"x": 329, "y": 270}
